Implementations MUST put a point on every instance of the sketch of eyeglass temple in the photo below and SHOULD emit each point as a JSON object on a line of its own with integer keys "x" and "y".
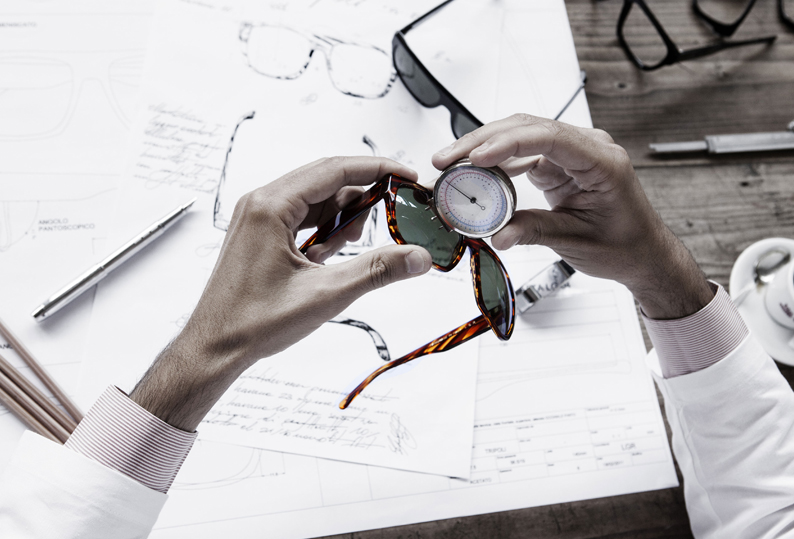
{"x": 355, "y": 69}
{"x": 228, "y": 192}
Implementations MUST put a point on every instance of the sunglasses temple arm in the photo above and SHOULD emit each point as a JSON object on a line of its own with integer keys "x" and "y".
{"x": 457, "y": 336}
{"x": 705, "y": 51}
{"x": 344, "y": 218}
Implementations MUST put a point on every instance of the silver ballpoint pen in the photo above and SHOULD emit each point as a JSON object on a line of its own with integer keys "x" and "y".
{"x": 98, "y": 272}
{"x": 742, "y": 142}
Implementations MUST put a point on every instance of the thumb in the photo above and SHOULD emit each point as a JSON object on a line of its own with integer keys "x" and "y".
{"x": 536, "y": 227}
{"x": 380, "y": 267}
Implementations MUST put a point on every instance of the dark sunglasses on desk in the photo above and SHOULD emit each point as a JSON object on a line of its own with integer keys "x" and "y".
{"x": 412, "y": 220}
{"x": 428, "y": 91}
{"x": 724, "y": 17}
{"x": 648, "y": 45}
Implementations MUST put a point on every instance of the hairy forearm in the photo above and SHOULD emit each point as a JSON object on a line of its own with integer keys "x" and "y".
{"x": 184, "y": 383}
{"x": 674, "y": 285}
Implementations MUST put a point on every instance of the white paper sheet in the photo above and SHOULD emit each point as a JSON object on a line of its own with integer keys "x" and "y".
{"x": 68, "y": 85}
{"x": 178, "y": 154}
{"x": 565, "y": 411}
{"x": 545, "y": 431}
{"x": 69, "y": 77}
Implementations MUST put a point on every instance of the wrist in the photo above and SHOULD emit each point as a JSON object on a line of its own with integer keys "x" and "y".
{"x": 184, "y": 383}
{"x": 673, "y": 285}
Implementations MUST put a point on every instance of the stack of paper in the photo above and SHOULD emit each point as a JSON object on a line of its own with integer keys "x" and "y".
{"x": 563, "y": 411}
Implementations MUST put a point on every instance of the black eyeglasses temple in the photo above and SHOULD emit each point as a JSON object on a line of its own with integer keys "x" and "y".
{"x": 705, "y": 51}
{"x": 583, "y": 74}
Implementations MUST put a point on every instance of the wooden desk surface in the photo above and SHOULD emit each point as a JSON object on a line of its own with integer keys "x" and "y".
{"x": 718, "y": 205}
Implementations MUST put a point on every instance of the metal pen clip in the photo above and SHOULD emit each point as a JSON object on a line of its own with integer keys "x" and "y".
{"x": 544, "y": 284}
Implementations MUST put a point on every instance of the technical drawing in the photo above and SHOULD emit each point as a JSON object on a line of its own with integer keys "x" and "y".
{"x": 229, "y": 191}
{"x": 377, "y": 338}
{"x": 39, "y": 93}
{"x": 280, "y": 52}
{"x": 203, "y": 471}
{"x": 17, "y": 220}
{"x": 224, "y": 206}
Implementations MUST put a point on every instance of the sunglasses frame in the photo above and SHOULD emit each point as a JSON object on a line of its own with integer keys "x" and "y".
{"x": 386, "y": 189}
{"x": 674, "y": 54}
{"x": 446, "y": 98}
{"x": 725, "y": 30}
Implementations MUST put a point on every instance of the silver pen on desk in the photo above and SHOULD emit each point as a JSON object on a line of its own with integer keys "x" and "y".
{"x": 99, "y": 271}
{"x": 742, "y": 142}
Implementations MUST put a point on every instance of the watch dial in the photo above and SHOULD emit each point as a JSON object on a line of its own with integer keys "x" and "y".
{"x": 472, "y": 200}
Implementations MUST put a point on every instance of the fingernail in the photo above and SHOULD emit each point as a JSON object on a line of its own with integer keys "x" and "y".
{"x": 446, "y": 150}
{"x": 415, "y": 263}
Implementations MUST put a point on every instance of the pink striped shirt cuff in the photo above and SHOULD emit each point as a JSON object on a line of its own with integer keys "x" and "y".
{"x": 700, "y": 340}
{"x": 123, "y": 436}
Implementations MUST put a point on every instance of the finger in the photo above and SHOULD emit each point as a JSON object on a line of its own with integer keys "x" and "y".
{"x": 378, "y": 268}
{"x": 557, "y": 195}
{"x": 582, "y": 155}
{"x": 329, "y": 208}
{"x": 464, "y": 145}
{"x": 546, "y": 175}
{"x": 323, "y": 251}
{"x": 537, "y": 227}
{"x": 515, "y": 166}
{"x": 322, "y": 179}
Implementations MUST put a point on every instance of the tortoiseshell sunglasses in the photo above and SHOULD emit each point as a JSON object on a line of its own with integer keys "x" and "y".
{"x": 412, "y": 220}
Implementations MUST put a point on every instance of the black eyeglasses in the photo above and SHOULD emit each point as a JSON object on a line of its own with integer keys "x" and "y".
{"x": 428, "y": 91}
{"x": 649, "y": 47}
{"x": 725, "y": 17}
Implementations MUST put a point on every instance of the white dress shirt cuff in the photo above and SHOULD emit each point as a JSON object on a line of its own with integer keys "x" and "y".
{"x": 692, "y": 343}
{"x": 123, "y": 436}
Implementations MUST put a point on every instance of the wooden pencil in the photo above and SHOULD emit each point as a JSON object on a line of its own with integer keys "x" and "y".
{"x": 34, "y": 415}
{"x": 26, "y": 418}
{"x": 34, "y": 365}
{"x": 35, "y": 393}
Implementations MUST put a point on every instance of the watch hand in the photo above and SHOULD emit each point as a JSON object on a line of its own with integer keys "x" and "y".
{"x": 473, "y": 200}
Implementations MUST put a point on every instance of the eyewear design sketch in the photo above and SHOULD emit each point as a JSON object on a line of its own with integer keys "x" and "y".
{"x": 17, "y": 220}
{"x": 203, "y": 470}
{"x": 227, "y": 194}
{"x": 377, "y": 338}
{"x": 39, "y": 92}
{"x": 280, "y": 52}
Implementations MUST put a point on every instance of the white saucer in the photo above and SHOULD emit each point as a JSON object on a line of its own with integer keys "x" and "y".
{"x": 772, "y": 336}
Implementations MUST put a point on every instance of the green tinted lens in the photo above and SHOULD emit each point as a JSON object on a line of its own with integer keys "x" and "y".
{"x": 495, "y": 293}
{"x": 413, "y": 221}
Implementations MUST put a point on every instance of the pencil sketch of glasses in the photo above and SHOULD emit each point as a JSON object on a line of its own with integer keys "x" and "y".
{"x": 355, "y": 69}
{"x": 228, "y": 192}
{"x": 377, "y": 338}
{"x": 39, "y": 92}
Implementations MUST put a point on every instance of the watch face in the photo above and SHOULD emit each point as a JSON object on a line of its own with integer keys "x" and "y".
{"x": 474, "y": 201}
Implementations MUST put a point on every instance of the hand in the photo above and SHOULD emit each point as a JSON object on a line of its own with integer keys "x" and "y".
{"x": 600, "y": 221}
{"x": 263, "y": 294}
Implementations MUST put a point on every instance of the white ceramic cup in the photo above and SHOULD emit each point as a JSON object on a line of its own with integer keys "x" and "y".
{"x": 779, "y": 298}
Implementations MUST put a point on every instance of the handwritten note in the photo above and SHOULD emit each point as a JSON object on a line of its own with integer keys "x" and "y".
{"x": 290, "y": 402}
{"x": 263, "y": 403}
{"x": 181, "y": 149}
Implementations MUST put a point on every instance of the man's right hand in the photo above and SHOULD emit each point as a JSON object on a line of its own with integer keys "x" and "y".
{"x": 600, "y": 221}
